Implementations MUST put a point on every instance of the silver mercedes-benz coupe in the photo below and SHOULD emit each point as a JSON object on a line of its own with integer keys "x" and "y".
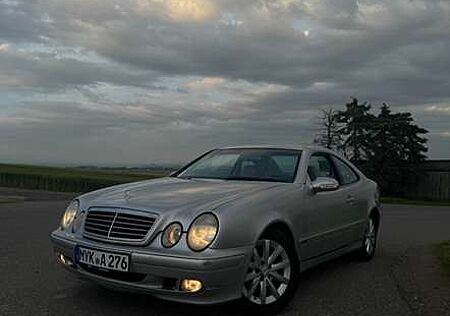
{"x": 237, "y": 222}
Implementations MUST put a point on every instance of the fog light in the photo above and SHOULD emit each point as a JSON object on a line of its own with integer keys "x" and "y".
{"x": 192, "y": 286}
{"x": 65, "y": 260}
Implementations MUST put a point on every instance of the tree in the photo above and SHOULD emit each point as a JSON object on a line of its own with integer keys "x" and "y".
{"x": 356, "y": 122}
{"x": 395, "y": 150}
{"x": 328, "y": 132}
{"x": 388, "y": 147}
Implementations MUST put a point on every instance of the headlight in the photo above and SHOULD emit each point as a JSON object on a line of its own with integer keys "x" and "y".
{"x": 171, "y": 235}
{"x": 202, "y": 232}
{"x": 69, "y": 214}
{"x": 78, "y": 221}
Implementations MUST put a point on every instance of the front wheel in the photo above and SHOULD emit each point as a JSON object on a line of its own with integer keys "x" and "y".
{"x": 272, "y": 274}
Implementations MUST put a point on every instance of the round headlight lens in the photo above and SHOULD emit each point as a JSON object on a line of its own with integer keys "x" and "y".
{"x": 171, "y": 235}
{"x": 202, "y": 232}
{"x": 69, "y": 214}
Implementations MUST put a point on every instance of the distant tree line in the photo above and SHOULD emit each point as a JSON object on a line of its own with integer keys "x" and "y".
{"x": 388, "y": 147}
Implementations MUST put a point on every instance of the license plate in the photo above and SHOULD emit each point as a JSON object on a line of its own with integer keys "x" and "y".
{"x": 103, "y": 259}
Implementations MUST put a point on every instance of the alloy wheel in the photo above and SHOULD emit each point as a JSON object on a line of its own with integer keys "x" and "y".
{"x": 370, "y": 237}
{"x": 268, "y": 274}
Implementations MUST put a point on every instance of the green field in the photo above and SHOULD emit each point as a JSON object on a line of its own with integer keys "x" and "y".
{"x": 71, "y": 179}
{"x": 85, "y": 179}
{"x": 11, "y": 199}
{"x": 442, "y": 253}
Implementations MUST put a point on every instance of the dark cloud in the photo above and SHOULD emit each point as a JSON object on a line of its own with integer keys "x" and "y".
{"x": 48, "y": 73}
{"x": 22, "y": 21}
{"x": 145, "y": 73}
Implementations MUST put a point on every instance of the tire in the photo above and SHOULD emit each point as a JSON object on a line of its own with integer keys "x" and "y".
{"x": 272, "y": 275}
{"x": 369, "y": 243}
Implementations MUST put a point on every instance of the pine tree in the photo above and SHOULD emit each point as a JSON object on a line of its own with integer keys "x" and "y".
{"x": 356, "y": 122}
{"x": 395, "y": 149}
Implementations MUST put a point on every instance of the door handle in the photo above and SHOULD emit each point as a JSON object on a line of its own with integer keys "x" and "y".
{"x": 350, "y": 199}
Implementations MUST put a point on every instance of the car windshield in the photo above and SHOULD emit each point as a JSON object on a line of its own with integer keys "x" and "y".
{"x": 278, "y": 165}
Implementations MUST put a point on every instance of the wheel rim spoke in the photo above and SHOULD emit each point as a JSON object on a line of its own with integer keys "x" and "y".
{"x": 253, "y": 287}
{"x": 279, "y": 266}
{"x": 370, "y": 237}
{"x": 279, "y": 277}
{"x": 278, "y": 250}
{"x": 263, "y": 284}
{"x": 273, "y": 289}
{"x": 368, "y": 246}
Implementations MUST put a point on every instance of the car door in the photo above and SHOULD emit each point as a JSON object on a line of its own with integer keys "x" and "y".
{"x": 355, "y": 213}
{"x": 324, "y": 212}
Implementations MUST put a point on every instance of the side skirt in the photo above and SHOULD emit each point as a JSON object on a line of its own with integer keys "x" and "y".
{"x": 314, "y": 261}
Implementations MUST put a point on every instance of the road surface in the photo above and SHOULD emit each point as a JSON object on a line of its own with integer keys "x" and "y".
{"x": 403, "y": 278}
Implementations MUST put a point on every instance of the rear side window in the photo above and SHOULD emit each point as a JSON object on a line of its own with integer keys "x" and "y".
{"x": 320, "y": 165}
{"x": 346, "y": 173}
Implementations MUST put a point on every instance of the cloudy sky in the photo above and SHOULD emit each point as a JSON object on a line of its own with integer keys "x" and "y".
{"x": 138, "y": 81}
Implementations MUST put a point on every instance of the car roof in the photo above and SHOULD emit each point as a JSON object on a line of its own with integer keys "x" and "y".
{"x": 292, "y": 147}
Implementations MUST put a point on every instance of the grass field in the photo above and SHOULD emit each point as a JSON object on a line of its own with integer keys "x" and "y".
{"x": 85, "y": 179}
{"x": 442, "y": 253}
{"x": 11, "y": 199}
{"x": 70, "y": 179}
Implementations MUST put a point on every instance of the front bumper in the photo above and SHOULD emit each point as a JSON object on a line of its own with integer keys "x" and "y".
{"x": 221, "y": 272}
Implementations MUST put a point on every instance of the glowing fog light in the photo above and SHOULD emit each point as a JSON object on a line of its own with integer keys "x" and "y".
{"x": 61, "y": 258}
{"x": 192, "y": 286}
{"x": 64, "y": 260}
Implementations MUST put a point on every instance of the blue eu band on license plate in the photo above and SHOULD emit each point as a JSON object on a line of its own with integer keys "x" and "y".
{"x": 103, "y": 259}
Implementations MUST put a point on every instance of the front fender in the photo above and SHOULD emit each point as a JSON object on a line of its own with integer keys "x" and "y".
{"x": 242, "y": 222}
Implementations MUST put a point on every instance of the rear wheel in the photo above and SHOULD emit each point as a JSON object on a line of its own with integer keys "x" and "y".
{"x": 272, "y": 274}
{"x": 367, "y": 250}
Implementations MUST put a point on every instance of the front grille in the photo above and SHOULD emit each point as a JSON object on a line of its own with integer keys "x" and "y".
{"x": 117, "y": 224}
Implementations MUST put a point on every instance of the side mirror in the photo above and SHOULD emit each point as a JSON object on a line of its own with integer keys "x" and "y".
{"x": 324, "y": 184}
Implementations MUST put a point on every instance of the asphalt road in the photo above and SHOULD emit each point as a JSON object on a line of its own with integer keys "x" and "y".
{"x": 403, "y": 278}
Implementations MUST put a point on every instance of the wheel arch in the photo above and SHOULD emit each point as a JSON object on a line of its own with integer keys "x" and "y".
{"x": 283, "y": 227}
{"x": 376, "y": 215}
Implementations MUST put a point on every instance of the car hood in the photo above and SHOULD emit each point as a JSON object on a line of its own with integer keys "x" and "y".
{"x": 174, "y": 194}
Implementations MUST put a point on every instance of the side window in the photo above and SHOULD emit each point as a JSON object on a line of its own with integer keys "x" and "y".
{"x": 320, "y": 165}
{"x": 346, "y": 173}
